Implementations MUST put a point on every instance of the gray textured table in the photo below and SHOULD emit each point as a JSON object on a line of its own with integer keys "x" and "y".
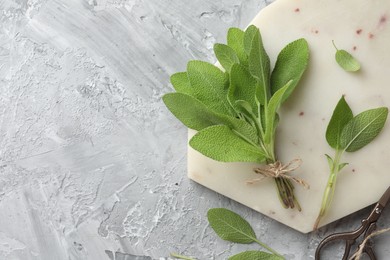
{"x": 93, "y": 166}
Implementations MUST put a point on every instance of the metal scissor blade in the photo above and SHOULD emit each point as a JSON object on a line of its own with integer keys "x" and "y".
{"x": 385, "y": 198}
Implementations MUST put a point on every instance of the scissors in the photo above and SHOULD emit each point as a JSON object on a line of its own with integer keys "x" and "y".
{"x": 367, "y": 227}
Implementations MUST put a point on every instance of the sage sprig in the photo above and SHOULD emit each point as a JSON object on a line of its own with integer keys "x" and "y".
{"x": 346, "y": 133}
{"x": 235, "y": 110}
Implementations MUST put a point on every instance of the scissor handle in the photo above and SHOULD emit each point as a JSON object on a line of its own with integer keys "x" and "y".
{"x": 348, "y": 237}
{"x": 368, "y": 249}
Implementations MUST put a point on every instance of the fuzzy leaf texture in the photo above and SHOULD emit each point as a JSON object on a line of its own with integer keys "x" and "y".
{"x": 230, "y": 226}
{"x": 195, "y": 115}
{"x": 181, "y": 83}
{"x": 222, "y": 144}
{"x": 235, "y": 40}
{"x": 363, "y": 128}
{"x": 271, "y": 112}
{"x": 225, "y": 55}
{"x": 255, "y": 255}
{"x": 259, "y": 63}
{"x": 291, "y": 63}
{"x": 242, "y": 86}
{"x": 248, "y": 38}
{"x": 342, "y": 114}
{"x": 210, "y": 85}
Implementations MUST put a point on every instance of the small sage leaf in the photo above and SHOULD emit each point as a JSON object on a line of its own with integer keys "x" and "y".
{"x": 181, "y": 83}
{"x": 271, "y": 112}
{"x": 363, "y": 128}
{"x": 225, "y": 55}
{"x": 342, "y": 114}
{"x": 259, "y": 66}
{"x": 346, "y": 60}
{"x": 249, "y": 34}
{"x": 242, "y": 86}
{"x": 235, "y": 40}
{"x": 342, "y": 165}
{"x": 230, "y": 226}
{"x": 210, "y": 85}
{"x": 291, "y": 63}
{"x": 222, "y": 144}
{"x": 255, "y": 255}
{"x": 244, "y": 106}
{"x": 330, "y": 161}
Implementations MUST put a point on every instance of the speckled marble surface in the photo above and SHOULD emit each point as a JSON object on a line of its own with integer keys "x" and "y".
{"x": 92, "y": 165}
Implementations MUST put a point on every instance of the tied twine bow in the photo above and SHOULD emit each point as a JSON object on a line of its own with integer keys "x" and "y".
{"x": 278, "y": 170}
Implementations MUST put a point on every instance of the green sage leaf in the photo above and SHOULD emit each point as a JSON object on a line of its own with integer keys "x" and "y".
{"x": 362, "y": 129}
{"x": 222, "y": 144}
{"x": 255, "y": 255}
{"x": 259, "y": 64}
{"x": 244, "y": 106}
{"x": 342, "y": 114}
{"x": 271, "y": 112}
{"x": 346, "y": 60}
{"x": 342, "y": 165}
{"x": 181, "y": 83}
{"x": 190, "y": 111}
{"x": 291, "y": 63}
{"x": 230, "y": 226}
{"x": 242, "y": 86}
{"x": 330, "y": 161}
{"x": 225, "y": 55}
{"x": 249, "y": 34}
{"x": 195, "y": 115}
{"x": 235, "y": 40}
{"x": 210, "y": 86}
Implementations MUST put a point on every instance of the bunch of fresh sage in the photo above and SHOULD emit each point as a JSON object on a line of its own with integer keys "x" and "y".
{"x": 346, "y": 133}
{"x": 235, "y": 109}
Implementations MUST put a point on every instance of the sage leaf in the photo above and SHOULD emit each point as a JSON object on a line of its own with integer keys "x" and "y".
{"x": 210, "y": 85}
{"x": 245, "y": 109}
{"x": 190, "y": 111}
{"x": 230, "y": 226}
{"x": 195, "y": 115}
{"x": 181, "y": 83}
{"x": 271, "y": 112}
{"x": 342, "y": 114}
{"x": 244, "y": 106}
{"x": 342, "y": 165}
{"x": 330, "y": 161}
{"x": 225, "y": 55}
{"x": 249, "y": 34}
{"x": 242, "y": 86}
{"x": 291, "y": 63}
{"x": 255, "y": 255}
{"x": 346, "y": 60}
{"x": 363, "y": 128}
{"x": 235, "y": 40}
{"x": 222, "y": 144}
{"x": 259, "y": 65}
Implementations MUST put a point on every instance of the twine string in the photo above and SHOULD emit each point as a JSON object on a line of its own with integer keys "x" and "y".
{"x": 278, "y": 170}
{"x": 359, "y": 253}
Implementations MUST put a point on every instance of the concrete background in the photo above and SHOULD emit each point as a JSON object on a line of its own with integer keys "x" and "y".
{"x": 92, "y": 165}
